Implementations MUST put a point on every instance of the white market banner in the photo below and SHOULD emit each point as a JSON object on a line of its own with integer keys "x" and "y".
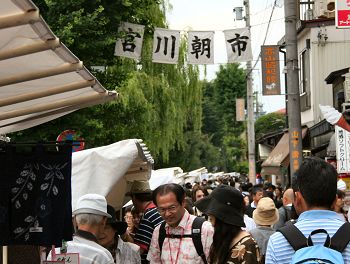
{"x": 238, "y": 45}
{"x": 166, "y": 44}
{"x": 130, "y": 43}
{"x": 200, "y": 47}
{"x": 342, "y": 139}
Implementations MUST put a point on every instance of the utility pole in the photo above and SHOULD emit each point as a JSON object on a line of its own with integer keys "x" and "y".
{"x": 250, "y": 110}
{"x": 294, "y": 118}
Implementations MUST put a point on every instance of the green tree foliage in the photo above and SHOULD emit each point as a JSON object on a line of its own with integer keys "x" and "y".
{"x": 158, "y": 102}
{"x": 269, "y": 123}
{"x": 221, "y": 146}
{"x": 230, "y": 84}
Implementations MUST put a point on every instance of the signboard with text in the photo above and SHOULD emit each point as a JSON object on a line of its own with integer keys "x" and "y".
{"x": 342, "y": 13}
{"x": 270, "y": 66}
{"x": 342, "y": 139}
{"x": 240, "y": 113}
{"x": 68, "y": 258}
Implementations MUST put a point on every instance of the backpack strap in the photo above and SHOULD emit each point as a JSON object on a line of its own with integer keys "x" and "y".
{"x": 162, "y": 235}
{"x": 294, "y": 236}
{"x": 195, "y": 234}
{"x": 341, "y": 238}
{"x": 197, "y": 238}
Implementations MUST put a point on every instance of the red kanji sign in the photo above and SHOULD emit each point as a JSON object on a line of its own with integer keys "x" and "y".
{"x": 342, "y": 14}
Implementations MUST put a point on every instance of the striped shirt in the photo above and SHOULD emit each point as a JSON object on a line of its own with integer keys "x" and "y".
{"x": 281, "y": 252}
{"x": 151, "y": 218}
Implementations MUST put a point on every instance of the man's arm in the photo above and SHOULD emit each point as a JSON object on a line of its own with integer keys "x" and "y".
{"x": 154, "y": 250}
{"x": 207, "y": 237}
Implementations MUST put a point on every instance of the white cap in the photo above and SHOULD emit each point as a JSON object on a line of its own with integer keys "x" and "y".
{"x": 341, "y": 185}
{"x": 92, "y": 203}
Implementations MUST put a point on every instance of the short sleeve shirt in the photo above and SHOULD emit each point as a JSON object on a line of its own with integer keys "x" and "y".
{"x": 182, "y": 249}
{"x": 279, "y": 251}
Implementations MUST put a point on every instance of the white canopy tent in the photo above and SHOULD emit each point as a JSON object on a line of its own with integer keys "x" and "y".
{"x": 110, "y": 170}
{"x": 40, "y": 78}
{"x": 163, "y": 176}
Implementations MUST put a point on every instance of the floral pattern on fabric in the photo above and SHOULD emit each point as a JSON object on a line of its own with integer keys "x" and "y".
{"x": 245, "y": 251}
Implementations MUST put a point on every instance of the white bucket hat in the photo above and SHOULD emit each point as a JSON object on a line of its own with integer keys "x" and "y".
{"x": 92, "y": 203}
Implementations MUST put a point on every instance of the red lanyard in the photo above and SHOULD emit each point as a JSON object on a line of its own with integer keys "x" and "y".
{"x": 179, "y": 249}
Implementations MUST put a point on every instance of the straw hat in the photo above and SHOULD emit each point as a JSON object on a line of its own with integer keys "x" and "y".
{"x": 92, "y": 203}
{"x": 139, "y": 187}
{"x": 225, "y": 203}
{"x": 266, "y": 212}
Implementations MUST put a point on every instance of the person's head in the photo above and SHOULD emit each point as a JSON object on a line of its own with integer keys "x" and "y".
{"x": 136, "y": 216}
{"x": 269, "y": 187}
{"x": 266, "y": 213}
{"x": 224, "y": 207}
{"x": 224, "y": 203}
{"x": 204, "y": 182}
{"x": 278, "y": 192}
{"x": 339, "y": 202}
{"x": 314, "y": 185}
{"x": 170, "y": 201}
{"x": 91, "y": 213}
{"x": 112, "y": 229}
{"x": 257, "y": 193}
{"x": 288, "y": 197}
{"x": 267, "y": 193}
{"x": 141, "y": 194}
{"x": 199, "y": 193}
{"x": 189, "y": 205}
{"x": 246, "y": 198}
{"x": 128, "y": 217}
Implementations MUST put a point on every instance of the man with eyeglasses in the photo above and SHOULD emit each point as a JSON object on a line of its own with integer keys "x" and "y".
{"x": 141, "y": 195}
{"x": 178, "y": 244}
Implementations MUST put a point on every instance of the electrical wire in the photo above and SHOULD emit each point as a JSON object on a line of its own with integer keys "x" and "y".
{"x": 267, "y": 31}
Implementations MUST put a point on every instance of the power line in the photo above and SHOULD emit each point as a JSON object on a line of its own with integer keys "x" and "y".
{"x": 267, "y": 31}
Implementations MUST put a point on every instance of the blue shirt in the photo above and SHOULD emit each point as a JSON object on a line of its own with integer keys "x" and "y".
{"x": 281, "y": 252}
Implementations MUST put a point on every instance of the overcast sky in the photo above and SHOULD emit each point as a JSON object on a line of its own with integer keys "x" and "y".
{"x": 218, "y": 15}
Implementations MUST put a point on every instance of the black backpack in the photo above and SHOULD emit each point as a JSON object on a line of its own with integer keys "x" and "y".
{"x": 301, "y": 244}
{"x": 195, "y": 234}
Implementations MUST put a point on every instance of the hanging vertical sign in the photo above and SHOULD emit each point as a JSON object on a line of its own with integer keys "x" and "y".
{"x": 200, "y": 47}
{"x": 342, "y": 139}
{"x": 238, "y": 45}
{"x": 240, "y": 113}
{"x": 342, "y": 13}
{"x": 166, "y": 44}
{"x": 130, "y": 42}
{"x": 270, "y": 70}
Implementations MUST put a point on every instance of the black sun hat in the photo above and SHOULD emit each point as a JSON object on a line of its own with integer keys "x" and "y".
{"x": 119, "y": 226}
{"x": 225, "y": 203}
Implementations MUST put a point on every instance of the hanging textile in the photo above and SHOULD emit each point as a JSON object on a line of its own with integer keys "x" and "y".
{"x": 35, "y": 197}
{"x": 200, "y": 47}
{"x": 166, "y": 44}
{"x": 130, "y": 43}
{"x": 238, "y": 45}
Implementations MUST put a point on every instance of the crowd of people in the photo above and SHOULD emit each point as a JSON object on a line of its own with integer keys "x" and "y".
{"x": 215, "y": 222}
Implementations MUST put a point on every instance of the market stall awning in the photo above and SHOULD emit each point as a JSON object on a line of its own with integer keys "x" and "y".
{"x": 279, "y": 156}
{"x": 40, "y": 79}
{"x": 110, "y": 170}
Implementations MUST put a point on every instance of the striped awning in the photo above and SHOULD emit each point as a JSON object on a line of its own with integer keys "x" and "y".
{"x": 40, "y": 79}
